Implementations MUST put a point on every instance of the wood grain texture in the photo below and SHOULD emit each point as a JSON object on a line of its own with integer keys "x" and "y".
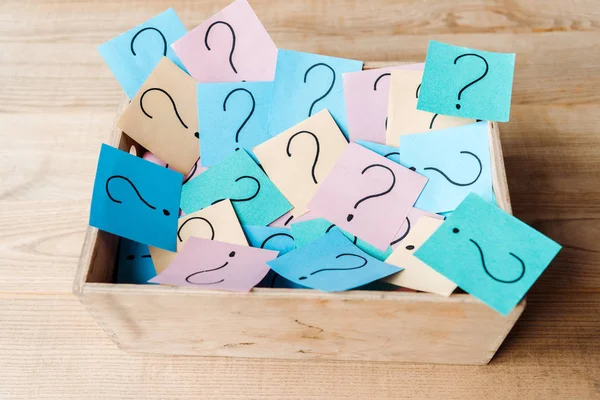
{"x": 58, "y": 101}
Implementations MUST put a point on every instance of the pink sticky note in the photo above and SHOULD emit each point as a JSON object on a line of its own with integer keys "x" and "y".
{"x": 366, "y": 94}
{"x": 231, "y": 46}
{"x": 410, "y": 221}
{"x": 209, "y": 264}
{"x": 195, "y": 171}
{"x": 367, "y": 195}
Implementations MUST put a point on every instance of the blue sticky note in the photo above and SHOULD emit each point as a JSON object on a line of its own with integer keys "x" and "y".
{"x": 134, "y": 263}
{"x": 467, "y": 83}
{"x": 456, "y": 161}
{"x": 270, "y": 238}
{"x": 232, "y": 116}
{"x": 305, "y": 84}
{"x": 488, "y": 253}
{"x": 132, "y": 55}
{"x": 254, "y": 197}
{"x": 390, "y": 152}
{"x": 136, "y": 199}
{"x": 331, "y": 263}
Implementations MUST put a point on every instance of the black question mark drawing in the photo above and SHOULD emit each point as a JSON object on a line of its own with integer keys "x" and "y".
{"x": 435, "y": 116}
{"x": 310, "y": 110}
{"x": 388, "y": 155}
{"x": 351, "y": 216}
{"x": 333, "y": 226}
{"x": 110, "y": 196}
{"x": 316, "y": 155}
{"x": 375, "y": 89}
{"x": 518, "y": 278}
{"x": 237, "y": 134}
{"x": 172, "y": 102}
{"x": 487, "y": 68}
{"x": 232, "y": 44}
{"x": 405, "y": 234}
{"x": 146, "y": 29}
{"x": 187, "y": 279}
{"x": 192, "y": 171}
{"x": 288, "y": 220}
{"x": 246, "y": 198}
{"x": 262, "y": 246}
{"x": 365, "y": 262}
{"x": 212, "y": 229}
{"x": 452, "y": 181}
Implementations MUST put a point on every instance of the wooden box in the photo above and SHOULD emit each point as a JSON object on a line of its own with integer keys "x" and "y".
{"x": 290, "y": 323}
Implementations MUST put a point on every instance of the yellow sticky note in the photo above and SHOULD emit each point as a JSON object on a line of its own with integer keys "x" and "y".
{"x": 416, "y": 274}
{"x": 298, "y": 159}
{"x": 403, "y": 116}
{"x": 163, "y": 116}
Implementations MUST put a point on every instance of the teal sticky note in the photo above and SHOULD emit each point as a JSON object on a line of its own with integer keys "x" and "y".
{"x": 390, "y": 152}
{"x": 133, "y": 55}
{"x": 136, "y": 199}
{"x": 134, "y": 264}
{"x": 305, "y": 84}
{"x": 456, "y": 161}
{"x": 254, "y": 197}
{"x": 232, "y": 116}
{"x": 331, "y": 263}
{"x": 467, "y": 83}
{"x": 306, "y": 232}
{"x": 488, "y": 253}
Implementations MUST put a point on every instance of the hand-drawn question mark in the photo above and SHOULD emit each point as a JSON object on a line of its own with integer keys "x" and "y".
{"x": 110, "y": 196}
{"x": 310, "y": 110}
{"x": 404, "y": 235}
{"x": 262, "y": 246}
{"x": 333, "y": 226}
{"x": 375, "y": 89}
{"x": 393, "y": 153}
{"x": 365, "y": 262}
{"x": 152, "y": 29}
{"x": 456, "y": 230}
{"x": 351, "y": 216}
{"x": 187, "y": 279}
{"x": 316, "y": 155}
{"x": 232, "y": 44}
{"x": 435, "y": 116}
{"x": 452, "y": 181}
{"x": 247, "y": 198}
{"x": 172, "y": 102}
{"x": 487, "y": 68}
{"x": 237, "y": 134}
{"x": 212, "y": 229}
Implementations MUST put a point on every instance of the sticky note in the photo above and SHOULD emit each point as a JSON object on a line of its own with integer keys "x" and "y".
{"x": 195, "y": 171}
{"x": 331, "y": 264}
{"x": 163, "y": 116}
{"x": 266, "y": 237}
{"x": 416, "y": 274}
{"x": 135, "y": 199}
{"x": 404, "y": 118}
{"x": 411, "y": 219}
{"x": 132, "y": 55}
{"x": 209, "y": 264}
{"x": 367, "y": 195}
{"x": 230, "y": 46}
{"x": 299, "y": 159}
{"x": 467, "y": 83}
{"x": 282, "y": 221}
{"x": 389, "y": 152}
{"x": 488, "y": 253}
{"x": 134, "y": 263}
{"x": 456, "y": 161}
{"x": 255, "y": 198}
{"x": 366, "y": 95}
{"x": 161, "y": 258}
{"x": 306, "y": 84}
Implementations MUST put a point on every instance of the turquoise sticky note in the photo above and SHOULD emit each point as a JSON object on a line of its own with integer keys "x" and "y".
{"x": 132, "y": 55}
{"x": 134, "y": 264}
{"x": 254, "y": 197}
{"x": 136, "y": 199}
{"x": 232, "y": 116}
{"x": 305, "y": 84}
{"x": 467, "y": 83}
{"x": 270, "y": 238}
{"x": 488, "y": 253}
{"x": 331, "y": 263}
{"x": 390, "y": 152}
{"x": 456, "y": 161}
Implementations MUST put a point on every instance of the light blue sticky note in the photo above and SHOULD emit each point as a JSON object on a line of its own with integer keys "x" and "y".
{"x": 488, "y": 253}
{"x": 232, "y": 116}
{"x": 254, "y": 197}
{"x": 456, "y": 161}
{"x": 136, "y": 199}
{"x": 331, "y": 263}
{"x": 305, "y": 84}
{"x": 133, "y": 55}
{"x": 134, "y": 263}
{"x": 467, "y": 83}
{"x": 390, "y": 152}
{"x": 270, "y": 238}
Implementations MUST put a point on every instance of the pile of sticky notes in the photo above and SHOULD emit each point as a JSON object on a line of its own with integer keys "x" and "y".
{"x": 282, "y": 169}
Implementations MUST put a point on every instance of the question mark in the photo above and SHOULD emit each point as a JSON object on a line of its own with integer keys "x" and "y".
{"x": 435, "y": 116}
{"x": 187, "y": 279}
{"x": 316, "y": 155}
{"x": 247, "y": 198}
{"x": 375, "y": 89}
{"x": 165, "y": 212}
{"x": 328, "y": 90}
{"x": 333, "y": 226}
{"x": 365, "y": 262}
{"x": 237, "y": 134}
{"x": 232, "y": 44}
{"x": 487, "y": 68}
{"x": 404, "y": 235}
{"x": 452, "y": 181}
{"x": 351, "y": 216}
{"x": 172, "y": 102}
{"x": 212, "y": 229}
{"x": 145, "y": 29}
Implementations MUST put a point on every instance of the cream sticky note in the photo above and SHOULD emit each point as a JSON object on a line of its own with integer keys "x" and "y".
{"x": 161, "y": 258}
{"x": 163, "y": 116}
{"x": 403, "y": 116}
{"x": 409, "y": 222}
{"x": 298, "y": 159}
{"x": 418, "y": 275}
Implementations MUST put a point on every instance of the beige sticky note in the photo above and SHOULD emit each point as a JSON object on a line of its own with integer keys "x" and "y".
{"x": 161, "y": 258}
{"x": 416, "y": 274}
{"x": 403, "y": 116}
{"x": 163, "y": 116}
{"x": 298, "y": 159}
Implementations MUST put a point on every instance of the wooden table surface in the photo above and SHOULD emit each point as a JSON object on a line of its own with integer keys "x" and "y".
{"x": 57, "y": 103}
